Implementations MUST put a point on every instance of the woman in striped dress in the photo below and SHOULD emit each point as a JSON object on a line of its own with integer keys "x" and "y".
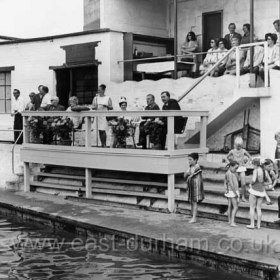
{"x": 194, "y": 185}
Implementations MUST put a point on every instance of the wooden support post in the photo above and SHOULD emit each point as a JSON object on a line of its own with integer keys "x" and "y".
{"x": 237, "y": 67}
{"x": 203, "y": 132}
{"x": 88, "y": 183}
{"x": 25, "y": 130}
{"x": 171, "y": 193}
{"x": 170, "y": 134}
{"x": 96, "y": 130}
{"x": 266, "y": 83}
{"x": 26, "y": 174}
{"x": 88, "y": 132}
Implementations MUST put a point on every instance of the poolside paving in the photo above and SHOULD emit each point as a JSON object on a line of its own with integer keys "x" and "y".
{"x": 258, "y": 245}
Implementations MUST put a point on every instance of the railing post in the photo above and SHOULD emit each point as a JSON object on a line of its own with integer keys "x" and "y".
{"x": 171, "y": 193}
{"x": 203, "y": 131}
{"x": 88, "y": 132}
{"x": 237, "y": 67}
{"x": 96, "y": 130}
{"x": 170, "y": 134}
{"x": 26, "y": 174}
{"x": 88, "y": 183}
{"x": 265, "y": 64}
{"x": 25, "y": 130}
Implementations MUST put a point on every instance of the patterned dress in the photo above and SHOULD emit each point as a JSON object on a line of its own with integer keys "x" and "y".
{"x": 195, "y": 184}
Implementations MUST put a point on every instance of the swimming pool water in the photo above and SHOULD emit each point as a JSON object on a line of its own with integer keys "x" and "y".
{"x": 34, "y": 252}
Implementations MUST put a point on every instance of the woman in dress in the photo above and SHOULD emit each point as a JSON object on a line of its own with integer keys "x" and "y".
{"x": 222, "y": 51}
{"x": 101, "y": 102}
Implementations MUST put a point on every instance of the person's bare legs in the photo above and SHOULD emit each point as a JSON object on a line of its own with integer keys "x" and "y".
{"x": 229, "y": 211}
{"x": 234, "y": 211}
{"x": 253, "y": 202}
{"x": 194, "y": 213}
{"x": 259, "y": 211}
{"x": 243, "y": 186}
{"x": 103, "y": 137}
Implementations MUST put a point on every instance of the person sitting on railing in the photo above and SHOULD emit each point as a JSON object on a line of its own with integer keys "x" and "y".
{"x": 55, "y": 106}
{"x": 145, "y": 125}
{"x": 231, "y": 60}
{"x": 210, "y": 59}
{"x": 102, "y": 102}
{"x": 189, "y": 47}
{"x": 231, "y": 34}
{"x": 222, "y": 51}
{"x": 257, "y": 59}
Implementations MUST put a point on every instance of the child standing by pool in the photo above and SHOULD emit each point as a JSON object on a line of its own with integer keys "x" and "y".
{"x": 257, "y": 192}
{"x": 232, "y": 193}
{"x": 239, "y": 154}
{"x": 194, "y": 185}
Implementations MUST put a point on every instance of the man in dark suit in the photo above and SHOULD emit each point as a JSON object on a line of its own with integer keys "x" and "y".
{"x": 179, "y": 122}
{"x": 232, "y": 33}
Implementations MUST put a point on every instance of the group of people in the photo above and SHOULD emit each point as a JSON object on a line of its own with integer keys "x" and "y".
{"x": 156, "y": 128}
{"x": 219, "y": 48}
{"x": 264, "y": 179}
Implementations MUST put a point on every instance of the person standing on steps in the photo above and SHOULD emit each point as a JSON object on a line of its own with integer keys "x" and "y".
{"x": 194, "y": 185}
{"x": 102, "y": 102}
{"x": 18, "y": 107}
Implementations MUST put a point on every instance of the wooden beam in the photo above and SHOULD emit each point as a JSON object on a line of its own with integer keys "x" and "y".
{"x": 26, "y": 172}
{"x": 175, "y": 40}
{"x": 203, "y": 132}
{"x": 88, "y": 132}
{"x": 170, "y": 134}
{"x": 171, "y": 193}
{"x": 88, "y": 183}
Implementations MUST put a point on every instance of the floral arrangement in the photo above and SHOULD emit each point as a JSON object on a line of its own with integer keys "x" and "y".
{"x": 121, "y": 130}
{"x": 50, "y": 128}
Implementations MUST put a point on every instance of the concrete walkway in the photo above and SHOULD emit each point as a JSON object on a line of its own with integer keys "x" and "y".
{"x": 261, "y": 246}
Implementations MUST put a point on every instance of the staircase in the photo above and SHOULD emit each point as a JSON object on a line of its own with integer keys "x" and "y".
{"x": 149, "y": 193}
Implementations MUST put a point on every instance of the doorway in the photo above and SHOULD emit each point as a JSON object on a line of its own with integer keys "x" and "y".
{"x": 212, "y": 27}
{"x": 78, "y": 81}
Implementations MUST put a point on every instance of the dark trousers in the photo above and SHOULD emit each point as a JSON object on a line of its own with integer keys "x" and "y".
{"x": 142, "y": 136}
{"x": 18, "y": 125}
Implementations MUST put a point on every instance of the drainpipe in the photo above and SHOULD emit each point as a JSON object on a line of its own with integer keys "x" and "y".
{"x": 175, "y": 39}
{"x": 251, "y": 35}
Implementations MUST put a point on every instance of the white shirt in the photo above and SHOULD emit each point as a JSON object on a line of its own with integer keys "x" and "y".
{"x": 18, "y": 105}
{"x": 46, "y": 100}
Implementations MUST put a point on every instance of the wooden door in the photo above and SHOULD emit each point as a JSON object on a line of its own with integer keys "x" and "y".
{"x": 212, "y": 24}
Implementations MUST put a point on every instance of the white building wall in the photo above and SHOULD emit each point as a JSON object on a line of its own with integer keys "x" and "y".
{"x": 141, "y": 16}
{"x": 237, "y": 11}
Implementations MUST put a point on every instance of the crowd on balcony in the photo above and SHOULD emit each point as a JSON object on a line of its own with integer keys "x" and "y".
{"x": 220, "y": 46}
{"x": 153, "y": 129}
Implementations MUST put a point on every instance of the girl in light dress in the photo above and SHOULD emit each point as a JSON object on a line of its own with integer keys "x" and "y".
{"x": 194, "y": 185}
{"x": 232, "y": 192}
{"x": 257, "y": 192}
{"x": 240, "y": 155}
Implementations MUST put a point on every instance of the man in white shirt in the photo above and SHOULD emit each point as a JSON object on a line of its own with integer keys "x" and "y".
{"x": 45, "y": 97}
{"x": 17, "y": 108}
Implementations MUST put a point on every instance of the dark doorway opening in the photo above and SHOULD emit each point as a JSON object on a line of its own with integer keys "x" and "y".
{"x": 212, "y": 27}
{"x": 78, "y": 81}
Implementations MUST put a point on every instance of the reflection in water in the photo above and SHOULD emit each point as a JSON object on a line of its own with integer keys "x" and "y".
{"x": 33, "y": 253}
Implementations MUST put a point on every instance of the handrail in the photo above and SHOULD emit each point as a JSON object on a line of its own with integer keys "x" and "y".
{"x": 169, "y": 113}
{"x": 205, "y": 75}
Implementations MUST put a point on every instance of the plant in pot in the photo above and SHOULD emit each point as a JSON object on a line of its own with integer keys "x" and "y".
{"x": 62, "y": 127}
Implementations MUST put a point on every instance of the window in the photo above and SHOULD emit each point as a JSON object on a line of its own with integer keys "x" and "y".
{"x": 5, "y": 92}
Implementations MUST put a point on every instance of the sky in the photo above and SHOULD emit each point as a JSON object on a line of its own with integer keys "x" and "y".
{"x": 36, "y": 18}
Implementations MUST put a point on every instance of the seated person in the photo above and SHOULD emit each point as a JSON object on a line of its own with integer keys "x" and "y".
{"x": 31, "y": 106}
{"x": 231, "y": 60}
{"x": 188, "y": 48}
{"x": 144, "y": 128}
{"x": 120, "y": 126}
{"x": 273, "y": 51}
{"x": 54, "y": 106}
{"x": 222, "y": 51}
{"x": 257, "y": 60}
{"x": 210, "y": 59}
{"x": 77, "y": 121}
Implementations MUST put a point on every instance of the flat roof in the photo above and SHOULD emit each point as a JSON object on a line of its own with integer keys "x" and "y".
{"x": 46, "y": 38}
